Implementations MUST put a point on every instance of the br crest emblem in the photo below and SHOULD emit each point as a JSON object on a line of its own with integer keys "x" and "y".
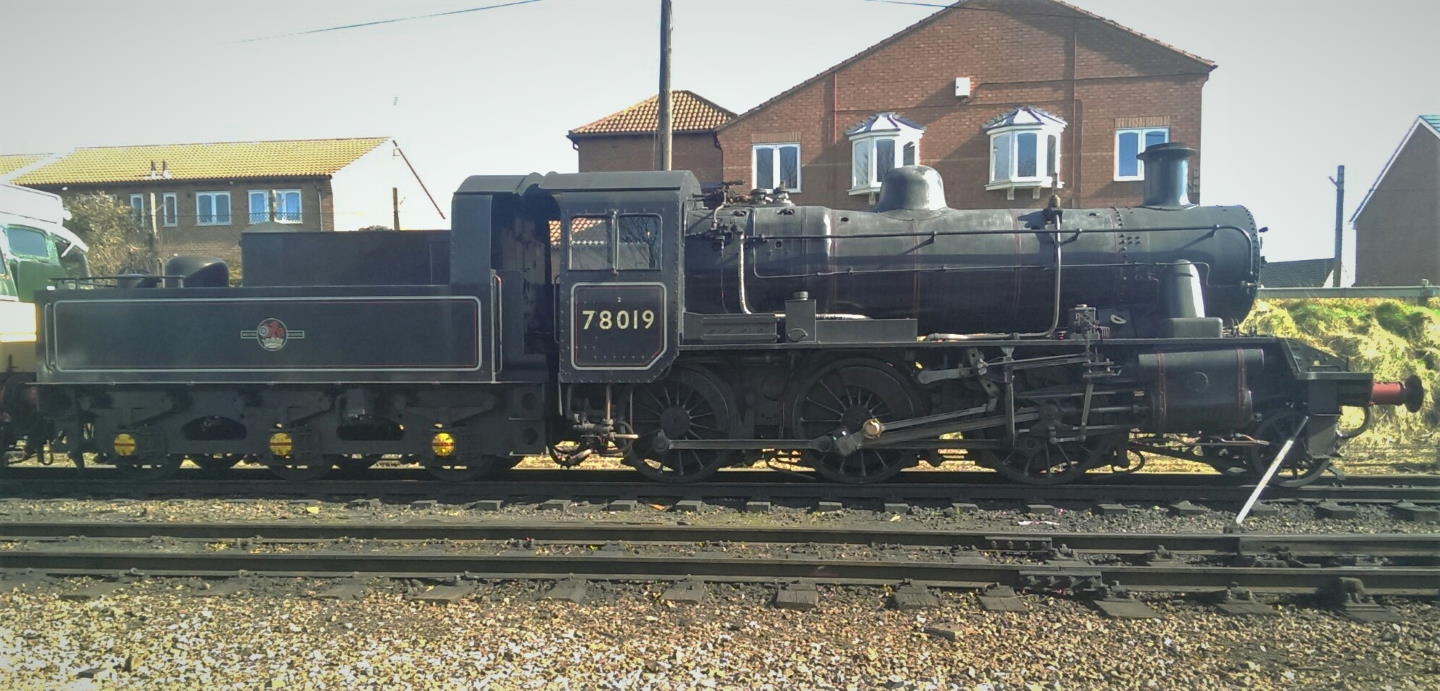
{"x": 272, "y": 334}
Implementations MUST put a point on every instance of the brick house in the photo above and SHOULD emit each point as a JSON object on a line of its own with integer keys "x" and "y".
{"x": 1003, "y": 97}
{"x": 1397, "y": 225}
{"x": 626, "y": 140}
{"x": 198, "y": 198}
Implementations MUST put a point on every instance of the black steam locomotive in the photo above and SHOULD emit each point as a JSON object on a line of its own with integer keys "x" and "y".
{"x": 628, "y": 314}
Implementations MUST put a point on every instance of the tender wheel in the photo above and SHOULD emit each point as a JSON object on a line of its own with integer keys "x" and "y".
{"x": 842, "y": 396}
{"x": 1300, "y": 468}
{"x": 688, "y": 404}
{"x": 456, "y": 469}
{"x": 290, "y": 469}
{"x": 148, "y": 467}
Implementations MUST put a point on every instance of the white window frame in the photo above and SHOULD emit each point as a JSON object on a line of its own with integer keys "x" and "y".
{"x": 299, "y": 205}
{"x": 214, "y": 209}
{"x": 137, "y": 207}
{"x": 250, "y": 209}
{"x": 869, "y": 143}
{"x": 775, "y": 148}
{"x": 271, "y": 196}
{"x": 169, "y": 210}
{"x": 1140, "y": 132}
{"x": 1012, "y": 178}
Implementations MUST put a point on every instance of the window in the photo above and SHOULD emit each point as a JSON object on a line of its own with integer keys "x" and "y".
{"x": 589, "y": 243}
{"x": 777, "y": 166}
{"x": 212, "y": 208}
{"x": 1024, "y": 150}
{"x": 880, "y": 143}
{"x": 1128, "y": 145}
{"x": 169, "y": 210}
{"x": 287, "y": 206}
{"x": 137, "y": 207}
{"x": 26, "y": 242}
{"x": 637, "y": 241}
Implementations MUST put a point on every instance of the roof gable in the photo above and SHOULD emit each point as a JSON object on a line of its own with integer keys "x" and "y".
{"x": 211, "y": 161}
{"x": 690, "y": 112}
{"x": 1428, "y": 123}
{"x": 888, "y": 121}
{"x": 1302, "y": 273}
{"x": 1024, "y": 115}
{"x": 1009, "y": 6}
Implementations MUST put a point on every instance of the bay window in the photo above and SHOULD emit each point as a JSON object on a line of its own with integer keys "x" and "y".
{"x": 880, "y": 143}
{"x": 1025, "y": 150}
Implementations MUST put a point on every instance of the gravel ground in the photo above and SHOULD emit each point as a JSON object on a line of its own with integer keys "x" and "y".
{"x": 1287, "y": 518}
{"x": 150, "y": 635}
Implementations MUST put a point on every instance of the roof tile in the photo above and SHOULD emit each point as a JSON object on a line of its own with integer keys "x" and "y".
{"x": 690, "y": 112}
{"x": 219, "y": 160}
{"x": 10, "y": 163}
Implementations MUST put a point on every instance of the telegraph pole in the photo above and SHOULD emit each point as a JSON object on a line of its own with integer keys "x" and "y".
{"x": 1339, "y": 182}
{"x": 663, "y": 133}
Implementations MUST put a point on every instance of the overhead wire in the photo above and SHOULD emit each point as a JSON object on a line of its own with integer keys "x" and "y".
{"x": 391, "y": 21}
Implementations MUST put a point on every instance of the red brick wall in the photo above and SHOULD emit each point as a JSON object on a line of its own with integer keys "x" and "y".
{"x": 693, "y": 152}
{"x": 188, "y": 237}
{"x": 1088, "y": 73}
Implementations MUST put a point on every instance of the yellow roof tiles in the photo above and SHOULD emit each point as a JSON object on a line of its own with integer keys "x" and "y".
{"x": 10, "y": 163}
{"x": 689, "y": 113}
{"x": 219, "y": 160}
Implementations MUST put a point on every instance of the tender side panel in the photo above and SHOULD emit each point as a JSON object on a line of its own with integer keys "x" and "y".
{"x": 263, "y": 338}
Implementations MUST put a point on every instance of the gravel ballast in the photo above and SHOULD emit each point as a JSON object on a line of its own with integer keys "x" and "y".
{"x": 152, "y": 635}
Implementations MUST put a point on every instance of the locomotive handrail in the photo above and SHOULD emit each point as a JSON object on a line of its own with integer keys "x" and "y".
{"x": 1011, "y": 231}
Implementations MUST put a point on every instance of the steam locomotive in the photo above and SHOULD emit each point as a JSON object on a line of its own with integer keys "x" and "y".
{"x": 631, "y": 315}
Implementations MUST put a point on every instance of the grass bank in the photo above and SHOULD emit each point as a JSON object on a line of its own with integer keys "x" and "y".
{"x": 1392, "y": 339}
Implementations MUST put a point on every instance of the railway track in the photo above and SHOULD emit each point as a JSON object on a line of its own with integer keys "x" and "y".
{"x": 921, "y": 486}
{"x": 1346, "y": 570}
{"x": 1414, "y": 548}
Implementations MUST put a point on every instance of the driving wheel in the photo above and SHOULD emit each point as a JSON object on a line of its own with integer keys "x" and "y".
{"x": 689, "y": 404}
{"x": 839, "y": 399}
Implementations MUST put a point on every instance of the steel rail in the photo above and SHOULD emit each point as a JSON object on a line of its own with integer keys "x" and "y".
{"x": 1167, "y": 578}
{"x": 1303, "y": 545}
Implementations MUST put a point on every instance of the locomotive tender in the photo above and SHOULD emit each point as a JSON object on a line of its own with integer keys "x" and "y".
{"x": 628, "y": 314}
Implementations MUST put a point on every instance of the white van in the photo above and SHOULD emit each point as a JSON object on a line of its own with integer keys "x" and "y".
{"x": 35, "y": 247}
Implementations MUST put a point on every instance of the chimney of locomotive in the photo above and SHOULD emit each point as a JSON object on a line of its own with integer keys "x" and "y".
{"x": 917, "y": 188}
{"x": 1167, "y": 175}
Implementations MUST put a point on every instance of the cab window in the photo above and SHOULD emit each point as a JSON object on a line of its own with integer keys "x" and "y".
{"x": 639, "y": 242}
{"x": 25, "y": 242}
{"x": 589, "y": 243}
{"x": 624, "y": 242}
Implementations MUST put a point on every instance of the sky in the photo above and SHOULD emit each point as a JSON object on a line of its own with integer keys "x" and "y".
{"x": 1302, "y": 85}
